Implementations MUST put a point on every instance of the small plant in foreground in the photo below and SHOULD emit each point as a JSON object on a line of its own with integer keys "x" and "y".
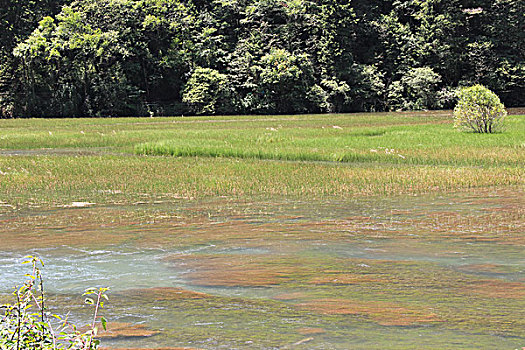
{"x": 26, "y": 324}
{"x": 479, "y": 109}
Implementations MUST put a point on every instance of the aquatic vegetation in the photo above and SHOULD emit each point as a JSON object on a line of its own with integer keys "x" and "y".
{"x": 414, "y": 142}
{"x": 43, "y": 163}
{"x": 310, "y": 331}
{"x": 236, "y": 269}
{"x": 496, "y": 289}
{"x": 163, "y": 348}
{"x": 165, "y": 294}
{"x": 287, "y": 268}
{"x": 387, "y": 314}
{"x": 60, "y": 181}
{"x": 343, "y": 278}
{"x": 113, "y": 330}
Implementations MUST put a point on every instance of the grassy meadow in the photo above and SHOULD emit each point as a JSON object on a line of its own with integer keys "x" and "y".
{"x": 127, "y": 160}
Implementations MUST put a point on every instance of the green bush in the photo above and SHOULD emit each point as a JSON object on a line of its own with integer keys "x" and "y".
{"x": 27, "y": 325}
{"x": 479, "y": 109}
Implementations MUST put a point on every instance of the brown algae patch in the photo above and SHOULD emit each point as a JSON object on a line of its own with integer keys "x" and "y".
{"x": 290, "y": 296}
{"x": 170, "y": 348}
{"x": 165, "y": 294}
{"x": 72, "y": 227}
{"x": 236, "y": 269}
{"x": 383, "y": 313}
{"x": 497, "y": 217}
{"x": 343, "y": 279}
{"x": 310, "y": 331}
{"x": 502, "y": 225}
{"x": 116, "y": 330}
{"x": 90, "y": 227}
{"x": 309, "y": 262}
{"x": 277, "y": 235}
{"x": 40, "y": 239}
{"x": 485, "y": 268}
{"x": 496, "y": 289}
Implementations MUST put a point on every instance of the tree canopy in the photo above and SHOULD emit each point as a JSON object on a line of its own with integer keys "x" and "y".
{"x": 169, "y": 57}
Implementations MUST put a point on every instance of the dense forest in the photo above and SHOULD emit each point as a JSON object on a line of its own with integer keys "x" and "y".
{"x": 173, "y": 57}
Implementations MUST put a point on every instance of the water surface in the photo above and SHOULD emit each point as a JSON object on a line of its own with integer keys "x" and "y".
{"x": 432, "y": 272}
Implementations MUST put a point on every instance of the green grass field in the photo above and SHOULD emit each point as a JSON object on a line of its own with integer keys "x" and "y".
{"x": 56, "y": 161}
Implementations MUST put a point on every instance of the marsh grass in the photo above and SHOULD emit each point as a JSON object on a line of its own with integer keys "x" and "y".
{"x": 396, "y": 138}
{"x": 421, "y": 143}
{"x": 60, "y": 180}
{"x": 101, "y": 160}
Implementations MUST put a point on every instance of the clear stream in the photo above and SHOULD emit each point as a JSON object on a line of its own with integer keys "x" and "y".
{"x": 418, "y": 272}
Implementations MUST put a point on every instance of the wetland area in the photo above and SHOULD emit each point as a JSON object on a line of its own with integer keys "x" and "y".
{"x": 393, "y": 243}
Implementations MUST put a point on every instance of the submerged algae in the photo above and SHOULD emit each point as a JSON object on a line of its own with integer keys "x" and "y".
{"x": 419, "y": 272}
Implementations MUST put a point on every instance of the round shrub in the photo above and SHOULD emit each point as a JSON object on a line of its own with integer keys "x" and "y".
{"x": 479, "y": 109}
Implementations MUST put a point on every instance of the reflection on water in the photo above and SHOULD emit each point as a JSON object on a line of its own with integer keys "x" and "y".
{"x": 407, "y": 272}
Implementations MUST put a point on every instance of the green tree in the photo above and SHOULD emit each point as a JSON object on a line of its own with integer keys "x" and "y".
{"x": 136, "y": 57}
{"x": 104, "y": 58}
{"x": 420, "y": 85}
{"x": 335, "y": 95}
{"x": 18, "y": 18}
{"x": 284, "y": 82}
{"x": 208, "y": 92}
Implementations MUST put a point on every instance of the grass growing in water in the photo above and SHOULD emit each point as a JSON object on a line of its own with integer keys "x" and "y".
{"x": 99, "y": 160}
{"x": 414, "y": 140}
{"x": 60, "y": 180}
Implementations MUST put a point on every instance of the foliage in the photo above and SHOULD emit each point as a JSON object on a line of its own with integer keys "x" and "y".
{"x": 335, "y": 95}
{"x": 284, "y": 81}
{"x": 207, "y": 91}
{"x": 479, "y": 109}
{"x": 139, "y": 57}
{"x": 420, "y": 85}
{"x": 27, "y": 325}
{"x": 369, "y": 88}
{"x": 17, "y": 20}
{"x": 102, "y": 58}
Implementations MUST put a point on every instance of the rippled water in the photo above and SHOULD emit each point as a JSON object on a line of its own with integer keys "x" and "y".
{"x": 433, "y": 272}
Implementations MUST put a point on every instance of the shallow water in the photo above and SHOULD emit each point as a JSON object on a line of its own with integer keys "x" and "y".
{"x": 433, "y": 272}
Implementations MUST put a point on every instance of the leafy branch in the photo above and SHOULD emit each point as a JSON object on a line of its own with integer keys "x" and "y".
{"x": 27, "y": 324}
